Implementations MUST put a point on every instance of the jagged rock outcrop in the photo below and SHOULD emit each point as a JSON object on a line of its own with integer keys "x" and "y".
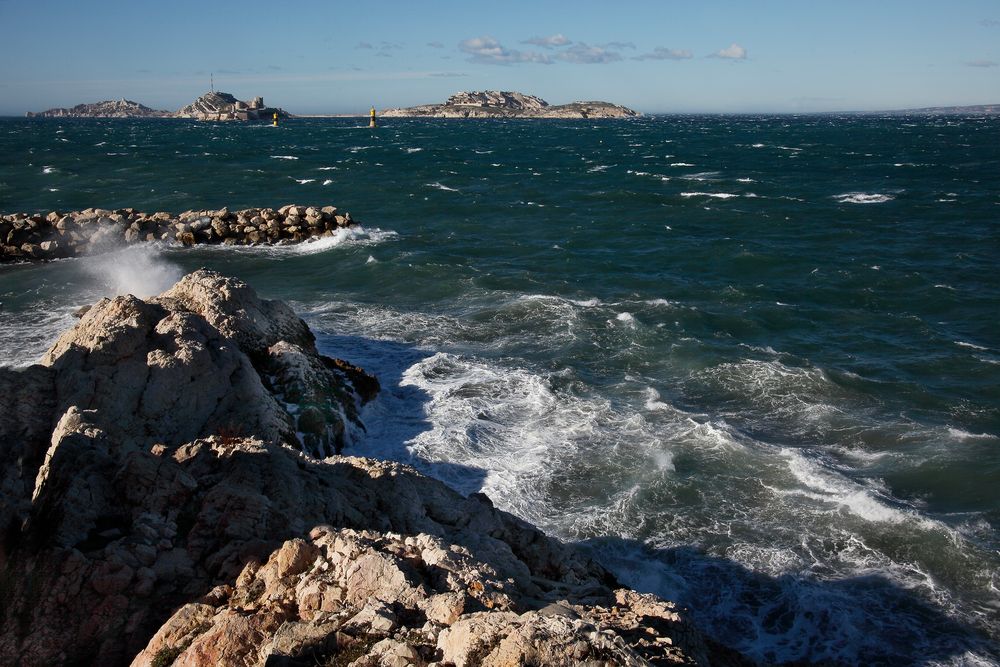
{"x": 216, "y": 105}
{"x": 162, "y": 505}
{"x": 107, "y": 109}
{"x": 36, "y": 236}
{"x": 506, "y": 104}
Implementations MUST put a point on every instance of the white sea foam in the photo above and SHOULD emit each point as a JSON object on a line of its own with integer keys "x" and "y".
{"x": 283, "y": 157}
{"x": 716, "y": 195}
{"x": 863, "y": 198}
{"x": 757, "y": 146}
{"x": 628, "y": 319}
{"x": 327, "y": 168}
{"x": 48, "y": 169}
{"x": 439, "y": 186}
{"x": 962, "y": 343}
{"x": 413, "y": 150}
{"x": 701, "y": 176}
{"x": 327, "y": 181}
{"x": 303, "y": 181}
{"x": 681, "y": 164}
{"x": 600, "y": 167}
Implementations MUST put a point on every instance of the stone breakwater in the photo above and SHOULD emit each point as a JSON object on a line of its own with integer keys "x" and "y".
{"x": 55, "y": 235}
{"x": 171, "y": 494}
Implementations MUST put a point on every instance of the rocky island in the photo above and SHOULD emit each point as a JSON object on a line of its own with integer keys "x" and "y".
{"x": 172, "y": 492}
{"x": 107, "y": 109}
{"x": 213, "y": 105}
{"x": 505, "y": 104}
{"x": 223, "y": 106}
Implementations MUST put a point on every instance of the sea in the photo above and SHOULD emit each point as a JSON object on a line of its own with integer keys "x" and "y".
{"x": 749, "y": 363}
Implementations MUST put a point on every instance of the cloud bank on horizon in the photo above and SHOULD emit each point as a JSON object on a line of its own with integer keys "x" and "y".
{"x": 487, "y": 50}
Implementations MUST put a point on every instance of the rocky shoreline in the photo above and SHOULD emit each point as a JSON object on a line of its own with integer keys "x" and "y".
{"x": 172, "y": 493}
{"x": 55, "y": 235}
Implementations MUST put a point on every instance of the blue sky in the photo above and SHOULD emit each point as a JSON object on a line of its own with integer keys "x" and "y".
{"x": 655, "y": 55}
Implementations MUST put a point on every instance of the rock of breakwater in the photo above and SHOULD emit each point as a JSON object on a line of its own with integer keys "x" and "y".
{"x": 162, "y": 503}
{"x": 54, "y": 235}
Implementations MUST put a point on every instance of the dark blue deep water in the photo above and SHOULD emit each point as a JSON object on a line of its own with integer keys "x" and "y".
{"x": 752, "y": 363}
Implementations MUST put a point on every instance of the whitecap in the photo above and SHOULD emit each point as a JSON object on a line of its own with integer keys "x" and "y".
{"x": 959, "y": 434}
{"x": 681, "y": 164}
{"x": 48, "y": 169}
{"x": 413, "y": 150}
{"x": 283, "y": 157}
{"x": 600, "y": 167}
{"x": 628, "y": 319}
{"x": 303, "y": 181}
{"x": 701, "y": 176}
{"x": 327, "y": 182}
{"x": 327, "y": 168}
{"x": 962, "y": 343}
{"x": 716, "y": 195}
{"x": 757, "y": 146}
{"x": 745, "y": 180}
{"x": 862, "y": 198}
{"x": 439, "y": 186}
{"x": 371, "y": 260}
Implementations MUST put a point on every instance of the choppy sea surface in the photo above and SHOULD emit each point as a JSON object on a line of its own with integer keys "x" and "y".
{"x": 751, "y": 363}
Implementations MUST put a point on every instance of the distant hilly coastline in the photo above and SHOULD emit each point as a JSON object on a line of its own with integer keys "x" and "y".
{"x": 507, "y": 104}
{"x": 963, "y": 110}
{"x": 213, "y": 105}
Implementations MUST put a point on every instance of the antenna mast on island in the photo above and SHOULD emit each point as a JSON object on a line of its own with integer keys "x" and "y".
{"x": 212, "y": 75}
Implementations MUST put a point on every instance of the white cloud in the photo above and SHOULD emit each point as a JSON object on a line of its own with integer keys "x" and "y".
{"x": 733, "y": 52}
{"x": 584, "y": 54}
{"x": 618, "y": 45}
{"x": 548, "y": 42}
{"x": 663, "y": 53}
{"x": 981, "y": 63}
{"x": 364, "y": 45}
{"x": 487, "y": 50}
{"x": 990, "y": 23}
{"x": 435, "y": 45}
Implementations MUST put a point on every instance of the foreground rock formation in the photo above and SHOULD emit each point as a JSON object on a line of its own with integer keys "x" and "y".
{"x": 55, "y": 235}
{"x": 168, "y": 496}
{"x": 505, "y": 104}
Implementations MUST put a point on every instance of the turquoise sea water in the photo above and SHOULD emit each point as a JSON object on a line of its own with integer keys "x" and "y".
{"x": 752, "y": 363}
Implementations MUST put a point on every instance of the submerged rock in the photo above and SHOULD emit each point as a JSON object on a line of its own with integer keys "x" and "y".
{"x": 161, "y": 505}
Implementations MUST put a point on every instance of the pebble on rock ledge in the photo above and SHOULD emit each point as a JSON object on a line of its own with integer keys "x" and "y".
{"x": 32, "y": 237}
